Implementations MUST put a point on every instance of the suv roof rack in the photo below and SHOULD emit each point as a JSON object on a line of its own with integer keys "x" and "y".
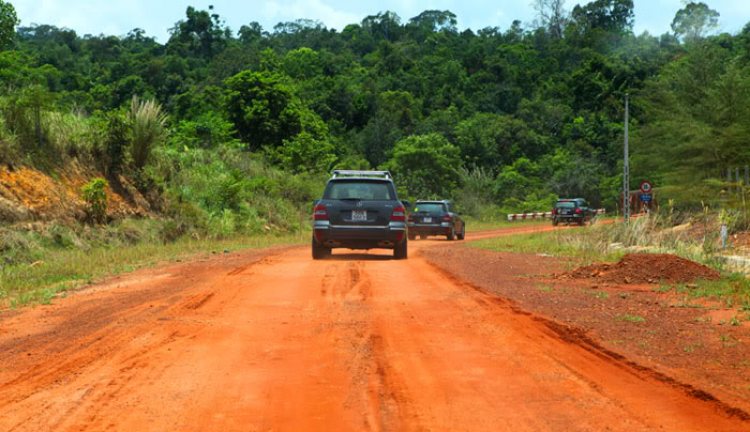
{"x": 346, "y": 173}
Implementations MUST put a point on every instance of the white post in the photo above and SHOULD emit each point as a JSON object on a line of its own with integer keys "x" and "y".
{"x": 626, "y": 168}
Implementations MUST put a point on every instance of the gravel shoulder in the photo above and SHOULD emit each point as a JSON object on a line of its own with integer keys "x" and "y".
{"x": 692, "y": 344}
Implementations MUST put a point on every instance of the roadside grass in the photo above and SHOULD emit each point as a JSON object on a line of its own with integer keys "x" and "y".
{"x": 731, "y": 291}
{"x": 595, "y": 244}
{"x": 475, "y": 224}
{"x": 630, "y": 318}
{"x": 571, "y": 244}
{"x": 62, "y": 270}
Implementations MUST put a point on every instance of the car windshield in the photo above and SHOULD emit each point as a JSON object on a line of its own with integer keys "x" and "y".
{"x": 429, "y": 208}
{"x": 566, "y": 204}
{"x": 359, "y": 190}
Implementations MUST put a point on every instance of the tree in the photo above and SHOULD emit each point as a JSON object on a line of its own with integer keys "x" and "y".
{"x": 694, "y": 21}
{"x": 611, "y": 16}
{"x": 552, "y": 15}
{"x": 306, "y": 153}
{"x": 385, "y": 25}
{"x": 435, "y": 20}
{"x": 262, "y": 107}
{"x": 8, "y": 23}
{"x": 426, "y": 165}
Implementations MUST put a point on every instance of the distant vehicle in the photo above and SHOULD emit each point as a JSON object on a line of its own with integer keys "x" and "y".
{"x": 360, "y": 210}
{"x": 569, "y": 210}
{"x": 436, "y": 218}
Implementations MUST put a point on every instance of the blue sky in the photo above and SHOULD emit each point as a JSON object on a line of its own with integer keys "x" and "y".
{"x": 157, "y": 16}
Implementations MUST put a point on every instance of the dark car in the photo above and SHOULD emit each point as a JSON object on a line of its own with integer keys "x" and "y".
{"x": 574, "y": 210}
{"x": 436, "y": 218}
{"x": 359, "y": 210}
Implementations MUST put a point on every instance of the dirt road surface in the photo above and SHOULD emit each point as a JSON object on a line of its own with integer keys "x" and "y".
{"x": 273, "y": 341}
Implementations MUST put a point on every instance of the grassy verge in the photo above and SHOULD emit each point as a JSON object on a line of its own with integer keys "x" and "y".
{"x": 474, "y": 224}
{"x": 595, "y": 244}
{"x": 573, "y": 244}
{"x": 61, "y": 270}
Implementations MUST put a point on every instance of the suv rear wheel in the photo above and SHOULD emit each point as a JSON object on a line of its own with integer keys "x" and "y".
{"x": 401, "y": 251}
{"x": 451, "y": 235}
{"x": 462, "y": 234}
{"x": 319, "y": 251}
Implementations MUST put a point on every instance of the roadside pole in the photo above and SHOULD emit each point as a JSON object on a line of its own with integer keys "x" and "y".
{"x": 626, "y": 168}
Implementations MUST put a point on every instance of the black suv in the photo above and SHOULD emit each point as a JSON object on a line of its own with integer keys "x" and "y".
{"x": 572, "y": 210}
{"x": 436, "y": 218}
{"x": 359, "y": 210}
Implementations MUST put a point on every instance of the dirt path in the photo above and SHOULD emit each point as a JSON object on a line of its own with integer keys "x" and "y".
{"x": 280, "y": 342}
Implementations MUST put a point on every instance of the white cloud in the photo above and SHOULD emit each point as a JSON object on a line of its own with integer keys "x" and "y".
{"x": 274, "y": 11}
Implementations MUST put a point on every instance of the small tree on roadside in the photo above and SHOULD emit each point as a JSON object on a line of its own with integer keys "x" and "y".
{"x": 96, "y": 200}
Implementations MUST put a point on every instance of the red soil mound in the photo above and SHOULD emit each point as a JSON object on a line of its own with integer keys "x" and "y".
{"x": 644, "y": 268}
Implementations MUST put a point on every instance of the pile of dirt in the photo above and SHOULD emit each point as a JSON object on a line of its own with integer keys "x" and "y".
{"x": 645, "y": 268}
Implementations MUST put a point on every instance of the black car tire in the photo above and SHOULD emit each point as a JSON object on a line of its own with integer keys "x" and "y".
{"x": 463, "y": 233}
{"x": 554, "y": 222}
{"x": 451, "y": 235}
{"x": 423, "y": 236}
{"x": 412, "y": 236}
{"x": 319, "y": 252}
{"x": 401, "y": 251}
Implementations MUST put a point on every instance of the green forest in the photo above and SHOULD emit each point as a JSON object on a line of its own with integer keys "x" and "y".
{"x": 242, "y": 126}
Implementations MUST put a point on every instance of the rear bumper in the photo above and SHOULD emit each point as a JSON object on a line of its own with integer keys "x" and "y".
{"x": 359, "y": 237}
{"x": 429, "y": 229}
{"x": 568, "y": 217}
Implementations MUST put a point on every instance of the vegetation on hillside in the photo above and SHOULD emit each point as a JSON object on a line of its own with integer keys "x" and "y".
{"x": 241, "y": 127}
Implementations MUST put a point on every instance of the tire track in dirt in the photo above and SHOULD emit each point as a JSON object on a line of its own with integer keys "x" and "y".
{"x": 356, "y": 342}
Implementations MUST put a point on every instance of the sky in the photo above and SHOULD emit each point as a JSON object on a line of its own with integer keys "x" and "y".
{"x": 156, "y": 17}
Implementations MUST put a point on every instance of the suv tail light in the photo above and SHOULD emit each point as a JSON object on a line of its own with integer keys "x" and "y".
{"x": 447, "y": 218}
{"x": 399, "y": 214}
{"x": 320, "y": 212}
{"x": 553, "y": 210}
{"x": 578, "y": 211}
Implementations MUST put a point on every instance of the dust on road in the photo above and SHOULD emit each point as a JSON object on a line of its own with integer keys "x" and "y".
{"x": 280, "y": 342}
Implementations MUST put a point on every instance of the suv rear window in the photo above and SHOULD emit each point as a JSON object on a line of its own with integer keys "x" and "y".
{"x": 429, "y": 208}
{"x": 566, "y": 204}
{"x": 363, "y": 190}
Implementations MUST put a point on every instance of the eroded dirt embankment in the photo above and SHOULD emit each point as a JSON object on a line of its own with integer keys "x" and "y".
{"x": 276, "y": 341}
{"x": 27, "y": 194}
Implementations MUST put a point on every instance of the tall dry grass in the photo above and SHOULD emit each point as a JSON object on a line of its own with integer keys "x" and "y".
{"x": 148, "y": 122}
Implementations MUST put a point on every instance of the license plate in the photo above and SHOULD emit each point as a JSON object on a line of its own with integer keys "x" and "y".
{"x": 427, "y": 220}
{"x": 359, "y": 215}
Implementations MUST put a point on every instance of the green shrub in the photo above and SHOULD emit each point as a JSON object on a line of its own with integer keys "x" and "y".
{"x": 96, "y": 200}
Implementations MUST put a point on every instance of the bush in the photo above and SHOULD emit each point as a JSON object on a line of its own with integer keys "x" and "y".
{"x": 147, "y": 120}
{"x": 96, "y": 200}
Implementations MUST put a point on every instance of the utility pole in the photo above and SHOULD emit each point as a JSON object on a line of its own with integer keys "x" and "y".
{"x": 626, "y": 168}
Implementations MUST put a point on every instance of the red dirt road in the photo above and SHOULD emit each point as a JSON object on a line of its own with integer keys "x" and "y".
{"x": 283, "y": 343}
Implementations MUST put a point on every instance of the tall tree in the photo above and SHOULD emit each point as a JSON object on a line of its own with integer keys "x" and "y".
{"x": 694, "y": 21}
{"x": 552, "y": 15}
{"x": 8, "y": 23}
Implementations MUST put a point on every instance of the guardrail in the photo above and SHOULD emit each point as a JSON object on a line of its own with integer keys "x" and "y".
{"x": 522, "y": 216}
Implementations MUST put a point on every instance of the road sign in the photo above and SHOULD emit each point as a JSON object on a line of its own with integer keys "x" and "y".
{"x": 646, "y": 187}
{"x": 646, "y": 197}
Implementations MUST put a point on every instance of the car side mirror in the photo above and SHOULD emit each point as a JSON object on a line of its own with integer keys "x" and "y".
{"x": 406, "y": 204}
{"x": 460, "y": 214}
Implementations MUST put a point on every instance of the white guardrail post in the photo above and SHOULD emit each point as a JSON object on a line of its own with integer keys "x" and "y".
{"x": 523, "y": 216}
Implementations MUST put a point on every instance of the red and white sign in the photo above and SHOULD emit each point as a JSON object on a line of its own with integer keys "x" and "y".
{"x": 646, "y": 187}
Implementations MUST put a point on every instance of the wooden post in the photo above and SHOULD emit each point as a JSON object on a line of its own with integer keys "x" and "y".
{"x": 729, "y": 180}
{"x": 739, "y": 181}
